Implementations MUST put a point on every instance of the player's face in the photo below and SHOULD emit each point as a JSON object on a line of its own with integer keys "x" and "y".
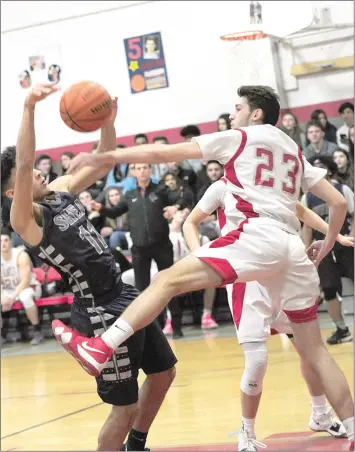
{"x": 150, "y": 46}
{"x": 243, "y": 116}
{"x": 170, "y": 181}
{"x": 214, "y": 172}
{"x": 142, "y": 172}
{"x": 114, "y": 197}
{"x": 40, "y": 188}
{"x": 315, "y": 134}
{"x": 340, "y": 159}
{"x": 6, "y": 243}
{"x": 348, "y": 116}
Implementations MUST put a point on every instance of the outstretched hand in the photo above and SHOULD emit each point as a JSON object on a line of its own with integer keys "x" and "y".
{"x": 40, "y": 92}
{"x": 318, "y": 250}
{"x": 111, "y": 120}
{"x": 84, "y": 159}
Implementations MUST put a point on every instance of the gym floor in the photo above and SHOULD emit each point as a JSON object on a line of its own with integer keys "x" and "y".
{"x": 49, "y": 403}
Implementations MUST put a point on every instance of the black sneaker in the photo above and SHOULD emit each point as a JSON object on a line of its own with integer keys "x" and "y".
{"x": 177, "y": 334}
{"x": 339, "y": 336}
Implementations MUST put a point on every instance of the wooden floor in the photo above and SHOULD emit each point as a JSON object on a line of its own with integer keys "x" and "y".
{"x": 49, "y": 403}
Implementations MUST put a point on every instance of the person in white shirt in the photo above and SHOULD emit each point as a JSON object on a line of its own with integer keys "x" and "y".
{"x": 255, "y": 320}
{"x": 346, "y": 111}
{"x": 265, "y": 171}
{"x": 18, "y": 283}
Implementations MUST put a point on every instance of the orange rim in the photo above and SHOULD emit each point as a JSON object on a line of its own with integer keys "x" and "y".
{"x": 244, "y": 36}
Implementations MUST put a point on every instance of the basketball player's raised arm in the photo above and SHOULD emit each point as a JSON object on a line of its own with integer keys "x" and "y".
{"x": 209, "y": 203}
{"x": 89, "y": 175}
{"x": 21, "y": 215}
{"x": 314, "y": 221}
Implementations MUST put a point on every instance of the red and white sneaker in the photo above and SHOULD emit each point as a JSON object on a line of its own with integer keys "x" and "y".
{"x": 207, "y": 322}
{"x": 91, "y": 353}
{"x": 168, "y": 329}
{"x": 351, "y": 447}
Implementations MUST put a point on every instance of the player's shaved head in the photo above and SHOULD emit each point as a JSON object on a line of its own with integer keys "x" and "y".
{"x": 263, "y": 98}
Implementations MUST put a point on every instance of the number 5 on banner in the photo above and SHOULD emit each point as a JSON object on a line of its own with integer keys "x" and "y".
{"x": 135, "y": 51}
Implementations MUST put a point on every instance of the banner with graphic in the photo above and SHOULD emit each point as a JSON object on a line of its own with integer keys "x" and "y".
{"x": 146, "y": 62}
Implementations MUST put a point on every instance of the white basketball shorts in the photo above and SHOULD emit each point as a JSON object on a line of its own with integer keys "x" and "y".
{"x": 275, "y": 258}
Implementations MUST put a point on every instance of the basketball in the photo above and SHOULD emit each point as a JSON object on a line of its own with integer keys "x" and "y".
{"x": 85, "y": 106}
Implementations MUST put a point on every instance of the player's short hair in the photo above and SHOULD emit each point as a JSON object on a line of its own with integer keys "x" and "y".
{"x": 314, "y": 123}
{"x": 214, "y": 161}
{"x": 344, "y": 106}
{"x": 8, "y": 163}
{"x": 327, "y": 161}
{"x": 265, "y": 98}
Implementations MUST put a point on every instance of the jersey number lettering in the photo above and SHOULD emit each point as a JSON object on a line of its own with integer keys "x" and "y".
{"x": 264, "y": 171}
{"x": 87, "y": 234}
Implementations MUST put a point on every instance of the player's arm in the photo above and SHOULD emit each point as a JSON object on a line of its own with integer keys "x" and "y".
{"x": 22, "y": 216}
{"x": 209, "y": 203}
{"x": 24, "y": 266}
{"x": 75, "y": 183}
{"x": 313, "y": 221}
{"x": 215, "y": 146}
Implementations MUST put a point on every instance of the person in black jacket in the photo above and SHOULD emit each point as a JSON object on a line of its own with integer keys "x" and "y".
{"x": 148, "y": 206}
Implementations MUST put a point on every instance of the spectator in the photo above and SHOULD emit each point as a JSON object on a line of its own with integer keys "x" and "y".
{"x": 223, "y": 122}
{"x": 330, "y": 131}
{"x": 339, "y": 262}
{"x": 214, "y": 171}
{"x": 140, "y": 138}
{"x": 351, "y": 143}
{"x": 86, "y": 198}
{"x": 178, "y": 191}
{"x": 345, "y": 173}
{"x": 18, "y": 283}
{"x": 187, "y": 176}
{"x": 65, "y": 161}
{"x": 44, "y": 164}
{"x": 159, "y": 169}
{"x": 114, "y": 229}
{"x": 289, "y": 125}
{"x": 318, "y": 145}
{"x": 189, "y": 132}
{"x": 147, "y": 207}
{"x": 346, "y": 112}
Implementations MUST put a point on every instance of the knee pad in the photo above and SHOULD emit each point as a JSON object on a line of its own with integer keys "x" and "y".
{"x": 255, "y": 367}
{"x": 330, "y": 294}
{"x": 27, "y": 298}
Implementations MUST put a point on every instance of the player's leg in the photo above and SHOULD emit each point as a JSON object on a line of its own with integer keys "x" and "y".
{"x": 251, "y": 312}
{"x": 298, "y": 296}
{"x": 27, "y": 298}
{"x": 158, "y": 362}
{"x": 329, "y": 273}
{"x": 116, "y": 427}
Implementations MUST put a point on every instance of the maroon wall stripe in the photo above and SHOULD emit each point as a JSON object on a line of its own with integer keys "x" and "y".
{"x": 173, "y": 135}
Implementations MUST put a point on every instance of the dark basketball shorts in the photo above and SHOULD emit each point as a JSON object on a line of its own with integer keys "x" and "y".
{"x": 148, "y": 349}
{"x": 337, "y": 264}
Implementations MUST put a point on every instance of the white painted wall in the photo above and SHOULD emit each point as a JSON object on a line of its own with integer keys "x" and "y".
{"x": 203, "y": 71}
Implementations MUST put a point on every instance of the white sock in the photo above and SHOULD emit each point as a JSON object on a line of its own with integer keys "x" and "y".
{"x": 207, "y": 311}
{"x": 319, "y": 404}
{"x": 249, "y": 426}
{"x": 119, "y": 332}
{"x": 168, "y": 313}
{"x": 349, "y": 427}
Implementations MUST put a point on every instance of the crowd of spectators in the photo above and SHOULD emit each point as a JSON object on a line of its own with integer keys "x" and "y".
{"x": 139, "y": 209}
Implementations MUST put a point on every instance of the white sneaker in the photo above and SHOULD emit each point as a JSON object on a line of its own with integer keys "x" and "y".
{"x": 248, "y": 443}
{"x": 327, "y": 423}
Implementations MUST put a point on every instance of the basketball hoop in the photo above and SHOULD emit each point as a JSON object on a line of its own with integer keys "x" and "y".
{"x": 244, "y": 36}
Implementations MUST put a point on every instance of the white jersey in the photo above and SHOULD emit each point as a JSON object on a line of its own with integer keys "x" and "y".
{"x": 10, "y": 276}
{"x": 265, "y": 171}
